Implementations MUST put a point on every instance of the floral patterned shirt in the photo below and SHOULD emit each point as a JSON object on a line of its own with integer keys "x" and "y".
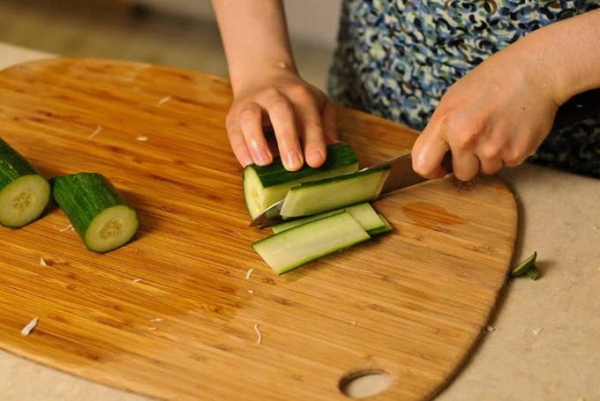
{"x": 396, "y": 58}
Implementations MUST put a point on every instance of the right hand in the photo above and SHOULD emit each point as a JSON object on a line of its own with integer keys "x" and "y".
{"x": 301, "y": 116}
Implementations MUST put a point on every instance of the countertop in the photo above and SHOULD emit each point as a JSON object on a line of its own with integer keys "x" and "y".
{"x": 542, "y": 344}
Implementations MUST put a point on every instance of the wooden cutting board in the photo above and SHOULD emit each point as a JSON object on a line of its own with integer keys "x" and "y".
{"x": 188, "y": 311}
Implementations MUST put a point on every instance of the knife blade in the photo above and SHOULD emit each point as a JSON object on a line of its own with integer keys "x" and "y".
{"x": 401, "y": 175}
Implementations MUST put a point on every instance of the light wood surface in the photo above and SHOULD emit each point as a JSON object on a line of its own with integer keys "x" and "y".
{"x": 177, "y": 313}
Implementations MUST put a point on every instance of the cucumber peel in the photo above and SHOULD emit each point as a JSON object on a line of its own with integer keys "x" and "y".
{"x": 24, "y": 192}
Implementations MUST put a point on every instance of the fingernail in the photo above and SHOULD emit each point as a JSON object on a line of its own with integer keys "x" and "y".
{"x": 262, "y": 158}
{"x": 246, "y": 161}
{"x": 292, "y": 161}
{"x": 315, "y": 158}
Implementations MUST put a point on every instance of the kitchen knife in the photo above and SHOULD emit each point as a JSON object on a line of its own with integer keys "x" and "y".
{"x": 401, "y": 176}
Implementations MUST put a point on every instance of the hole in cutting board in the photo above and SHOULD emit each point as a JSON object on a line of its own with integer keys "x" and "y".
{"x": 365, "y": 383}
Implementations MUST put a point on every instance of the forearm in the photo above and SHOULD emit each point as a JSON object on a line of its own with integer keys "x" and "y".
{"x": 566, "y": 54}
{"x": 255, "y": 39}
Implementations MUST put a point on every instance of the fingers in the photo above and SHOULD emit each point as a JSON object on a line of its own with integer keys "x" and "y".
{"x": 301, "y": 117}
{"x": 320, "y": 129}
{"x": 281, "y": 114}
{"x": 468, "y": 159}
{"x": 428, "y": 153}
{"x": 244, "y": 129}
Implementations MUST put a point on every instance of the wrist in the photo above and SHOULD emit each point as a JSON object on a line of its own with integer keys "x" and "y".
{"x": 564, "y": 56}
{"x": 261, "y": 73}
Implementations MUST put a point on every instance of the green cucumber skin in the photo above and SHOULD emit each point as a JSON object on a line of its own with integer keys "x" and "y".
{"x": 13, "y": 165}
{"x": 83, "y": 196}
{"x": 338, "y": 154}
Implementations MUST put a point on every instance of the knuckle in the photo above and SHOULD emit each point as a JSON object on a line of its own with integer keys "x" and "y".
{"x": 301, "y": 93}
{"x": 269, "y": 93}
{"x": 489, "y": 152}
{"x": 462, "y": 132}
{"x": 280, "y": 105}
{"x": 248, "y": 113}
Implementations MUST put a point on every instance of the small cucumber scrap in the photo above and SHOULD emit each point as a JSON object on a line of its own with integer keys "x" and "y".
{"x": 526, "y": 267}
{"x": 24, "y": 192}
{"x": 265, "y": 185}
{"x": 297, "y": 246}
{"x": 97, "y": 211}
{"x": 370, "y": 220}
{"x": 334, "y": 192}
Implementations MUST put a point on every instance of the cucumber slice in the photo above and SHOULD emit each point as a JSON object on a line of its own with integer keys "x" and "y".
{"x": 24, "y": 192}
{"x": 265, "y": 185}
{"x": 96, "y": 210}
{"x": 297, "y": 246}
{"x": 364, "y": 213}
{"x": 335, "y": 192}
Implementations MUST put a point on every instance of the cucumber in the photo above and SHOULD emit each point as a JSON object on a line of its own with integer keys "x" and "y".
{"x": 265, "y": 185}
{"x": 526, "y": 267}
{"x": 386, "y": 227}
{"x": 98, "y": 213}
{"x": 24, "y": 192}
{"x": 297, "y": 246}
{"x": 364, "y": 213}
{"x": 333, "y": 192}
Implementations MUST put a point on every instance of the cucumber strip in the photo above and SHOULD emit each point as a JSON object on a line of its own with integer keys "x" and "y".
{"x": 297, "y": 246}
{"x": 101, "y": 217}
{"x": 24, "y": 192}
{"x": 385, "y": 228}
{"x": 364, "y": 213}
{"x": 334, "y": 192}
{"x": 265, "y": 185}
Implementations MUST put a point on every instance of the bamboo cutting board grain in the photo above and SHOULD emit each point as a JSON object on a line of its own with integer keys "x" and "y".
{"x": 188, "y": 311}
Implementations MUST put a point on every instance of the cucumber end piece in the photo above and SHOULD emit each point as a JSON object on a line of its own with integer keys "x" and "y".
{"x": 524, "y": 266}
{"x": 24, "y": 200}
{"x": 111, "y": 229}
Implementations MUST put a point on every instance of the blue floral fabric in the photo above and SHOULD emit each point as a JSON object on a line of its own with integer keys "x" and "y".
{"x": 396, "y": 58}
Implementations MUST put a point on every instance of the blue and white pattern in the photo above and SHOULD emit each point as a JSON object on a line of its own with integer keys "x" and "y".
{"x": 396, "y": 58}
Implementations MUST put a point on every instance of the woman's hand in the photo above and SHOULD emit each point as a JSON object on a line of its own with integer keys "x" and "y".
{"x": 499, "y": 113}
{"x": 300, "y": 115}
{"x": 495, "y": 116}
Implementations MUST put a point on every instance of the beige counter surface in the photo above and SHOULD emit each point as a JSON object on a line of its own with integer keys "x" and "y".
{"x": 543, "y": 343}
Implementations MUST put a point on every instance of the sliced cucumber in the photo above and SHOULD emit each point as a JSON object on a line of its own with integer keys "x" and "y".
{"x": 334, "y": 192}
{"x": 265, "y": 185}
{"x": 364, "y": 213}
{"x": 297, "y": 246}
{"x": 526, "y": 267}
{"x": 385, "y": 228}
{"x": 24, "y": 192}
{"x": 96, "y": 210}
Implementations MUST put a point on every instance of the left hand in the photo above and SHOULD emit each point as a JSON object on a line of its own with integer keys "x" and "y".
{"x": 497, "y": 115}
